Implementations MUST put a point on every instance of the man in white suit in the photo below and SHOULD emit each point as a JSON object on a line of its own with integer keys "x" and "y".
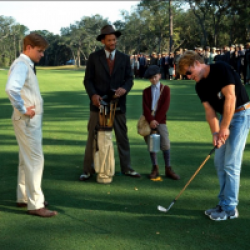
{"x": 23, "y": 91}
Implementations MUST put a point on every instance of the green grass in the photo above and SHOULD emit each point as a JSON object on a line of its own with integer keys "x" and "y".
{"x": 117, "y": 216}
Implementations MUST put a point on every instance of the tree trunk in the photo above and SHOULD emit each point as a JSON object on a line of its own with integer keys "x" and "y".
{"x": 159, "y": 44}
{"x": 170, "y": 26}
{"x": 19, "y": 47}
{"x": 10, "y": 58}
{"x": 78, "y": 63}
{"x": 14, "y": 45}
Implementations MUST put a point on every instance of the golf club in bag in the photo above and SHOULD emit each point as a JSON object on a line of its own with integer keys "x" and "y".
{"x": 163, "y": 209}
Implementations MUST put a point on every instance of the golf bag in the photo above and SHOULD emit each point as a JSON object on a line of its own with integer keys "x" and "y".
{"x": 104, "y": 160}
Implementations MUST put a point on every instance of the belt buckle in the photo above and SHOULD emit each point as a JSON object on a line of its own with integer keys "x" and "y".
{"x": 245, "y": 106}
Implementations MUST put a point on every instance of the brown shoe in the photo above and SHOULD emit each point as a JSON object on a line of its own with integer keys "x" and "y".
{"x": 43, "y": 212}
{"x": 171, "y": 174}
{"x": 21, "y": 204}
{"x": 154, "y": 172}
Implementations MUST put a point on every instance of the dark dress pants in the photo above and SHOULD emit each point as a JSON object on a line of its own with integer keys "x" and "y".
{"x": 166, "y": 72}
{"x": 122, "y": 142}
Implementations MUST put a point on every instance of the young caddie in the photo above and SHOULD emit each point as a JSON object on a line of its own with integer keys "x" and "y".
{"x": 157, "y": 98}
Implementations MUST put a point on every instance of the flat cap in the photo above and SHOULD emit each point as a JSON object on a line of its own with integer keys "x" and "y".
{"x": 152, "y": 71}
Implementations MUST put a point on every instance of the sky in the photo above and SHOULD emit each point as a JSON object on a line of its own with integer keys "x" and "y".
{"x": 53, "y": 15}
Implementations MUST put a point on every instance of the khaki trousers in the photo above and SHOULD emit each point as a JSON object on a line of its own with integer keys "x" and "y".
{"x": 31, "y": 160}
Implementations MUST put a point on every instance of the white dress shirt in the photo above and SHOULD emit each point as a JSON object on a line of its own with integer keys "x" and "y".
{"x": 155, "y": 92}
{"x": 108, "y": 53}
{"x": 16, "y": 80}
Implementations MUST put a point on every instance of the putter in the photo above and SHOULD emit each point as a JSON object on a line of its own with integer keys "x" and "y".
{"x": 163, "y": 209}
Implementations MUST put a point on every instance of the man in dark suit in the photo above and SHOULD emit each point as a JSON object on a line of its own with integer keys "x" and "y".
{"x": 108, "y": 70}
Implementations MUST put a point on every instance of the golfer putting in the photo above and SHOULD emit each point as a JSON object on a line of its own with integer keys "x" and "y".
{"x": 221, "y": 92}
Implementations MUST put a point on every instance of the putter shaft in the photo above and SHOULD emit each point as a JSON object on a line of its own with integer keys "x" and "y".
{"x": 196, "y": 172}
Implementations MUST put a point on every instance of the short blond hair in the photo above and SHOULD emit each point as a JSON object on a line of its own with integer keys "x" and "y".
{"x": 188, "y": 59}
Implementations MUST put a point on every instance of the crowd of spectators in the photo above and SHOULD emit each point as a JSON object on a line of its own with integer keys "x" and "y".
{"x": 238, "y": 56}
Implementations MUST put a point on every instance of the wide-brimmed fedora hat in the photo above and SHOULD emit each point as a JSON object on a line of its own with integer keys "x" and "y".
{"x": 108, "y": 30}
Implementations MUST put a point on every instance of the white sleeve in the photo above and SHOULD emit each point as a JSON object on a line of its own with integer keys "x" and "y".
{"x": 14, "y": 85}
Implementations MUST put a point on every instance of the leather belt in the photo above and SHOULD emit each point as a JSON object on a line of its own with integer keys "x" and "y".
{"x": 242, "y": 108}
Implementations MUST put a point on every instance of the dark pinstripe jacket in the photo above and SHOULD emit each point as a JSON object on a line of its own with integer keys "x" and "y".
{"x": 98, "y": 80}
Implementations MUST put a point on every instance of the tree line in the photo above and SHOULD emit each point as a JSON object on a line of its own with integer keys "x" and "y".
{"x": 158, "y": 25}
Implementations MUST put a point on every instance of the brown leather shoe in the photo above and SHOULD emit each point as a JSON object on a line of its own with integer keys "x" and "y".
{"x": 43, "y": 212}
{"x": 171, "y": 174}
{"x": 21, "y": 204}
{"x": 154, "y": 172}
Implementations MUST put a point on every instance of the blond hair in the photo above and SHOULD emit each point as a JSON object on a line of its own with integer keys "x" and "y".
{"x": 35, "y": 40}
{"x": 188, "y": 59}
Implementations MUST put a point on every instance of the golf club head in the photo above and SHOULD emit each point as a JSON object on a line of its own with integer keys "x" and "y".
{"x": 162, "y": 209}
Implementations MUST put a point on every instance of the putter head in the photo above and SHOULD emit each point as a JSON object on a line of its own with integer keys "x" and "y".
{"x": 162, "y": 209}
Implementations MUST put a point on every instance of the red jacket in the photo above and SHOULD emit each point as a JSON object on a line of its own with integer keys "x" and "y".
{"x": 162, "y": 107}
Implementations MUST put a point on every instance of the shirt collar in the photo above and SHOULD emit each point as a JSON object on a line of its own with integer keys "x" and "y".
{"x": 157, "y": 85}
{"x": 112, "y": 53}
{"x": 28, "y": 59}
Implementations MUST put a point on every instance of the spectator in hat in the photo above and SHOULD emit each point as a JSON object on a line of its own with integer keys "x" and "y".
{"x": 157, "y": 98}
{"x": 108, "y": 70}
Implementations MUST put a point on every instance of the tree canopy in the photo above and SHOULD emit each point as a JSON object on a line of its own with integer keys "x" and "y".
{"x": 159, "y": 25}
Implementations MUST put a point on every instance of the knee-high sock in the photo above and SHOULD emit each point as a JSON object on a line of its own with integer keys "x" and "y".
{"x": 153, "y": 157}
{"x": 166, "y": 154}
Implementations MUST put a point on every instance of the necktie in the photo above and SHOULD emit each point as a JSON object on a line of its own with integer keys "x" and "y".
{"x": 110, "y": 56}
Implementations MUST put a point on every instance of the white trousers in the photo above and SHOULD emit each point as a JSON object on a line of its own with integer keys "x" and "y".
{"x": 31, "y": 160}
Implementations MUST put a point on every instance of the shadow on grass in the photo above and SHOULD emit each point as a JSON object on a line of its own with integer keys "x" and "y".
{"x": 123, "y": 212}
